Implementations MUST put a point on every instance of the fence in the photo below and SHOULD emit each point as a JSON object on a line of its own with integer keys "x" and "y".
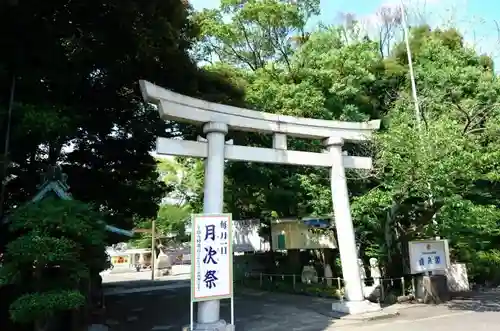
{"x": 388, "y": 288}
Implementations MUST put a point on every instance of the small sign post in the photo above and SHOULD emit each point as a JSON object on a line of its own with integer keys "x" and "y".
{"x": 428, "y": 255}
{"x": 211, "y": 259}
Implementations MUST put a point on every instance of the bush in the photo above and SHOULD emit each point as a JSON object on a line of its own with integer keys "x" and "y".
{"x": 41, "y": 306}
{"x": 485, "y": 267}
{"x": 58, "y": 245}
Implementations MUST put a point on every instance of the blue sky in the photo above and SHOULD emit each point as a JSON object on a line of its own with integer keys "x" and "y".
{"x": 329, "y": 8}
{"x": 475, "y": 18}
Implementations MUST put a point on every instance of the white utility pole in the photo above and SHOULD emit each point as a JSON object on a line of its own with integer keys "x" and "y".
{"x": 410, "y": 65}
{"x": 414, "y": 89}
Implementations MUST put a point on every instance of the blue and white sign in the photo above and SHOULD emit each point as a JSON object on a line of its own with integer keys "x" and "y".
{"x": 428, "y": 255}
{"x": 211, "y": 257}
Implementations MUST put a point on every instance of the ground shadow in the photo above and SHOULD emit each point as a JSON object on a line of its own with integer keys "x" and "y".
{"x": 488, "y": 301}
{"x": 142, "y": 283}
{"x": 142, "y": 305}
{"x": 262, "y": 310}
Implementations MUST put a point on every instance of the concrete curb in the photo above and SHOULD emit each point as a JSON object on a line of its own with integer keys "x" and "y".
{"x": 377, "y": 317}
{"x": 123, "y": 291}
{"x": 406, "y": 306}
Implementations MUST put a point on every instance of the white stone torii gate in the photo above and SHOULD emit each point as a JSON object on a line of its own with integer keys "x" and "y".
{"x": 217, "y": 119}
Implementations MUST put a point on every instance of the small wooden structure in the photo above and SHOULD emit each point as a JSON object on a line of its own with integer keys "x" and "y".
{"x": 296, "y": 234}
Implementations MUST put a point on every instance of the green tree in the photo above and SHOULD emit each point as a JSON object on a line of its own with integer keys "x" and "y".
{"x": 184, "y": 178}
{"x": 259, "y": 32}
{"x": 170, "y": 227}
{"x": 323, "y": 76}
{"x": 76, "y": 66}
{"x": 440, "y": 179}
{"x": 59, "y": 245}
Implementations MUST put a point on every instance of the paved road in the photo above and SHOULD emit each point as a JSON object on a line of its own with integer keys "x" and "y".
{"x": 167, "y": 308}
{"x": 136, "y": 278}
{"x": 479, "y": 314}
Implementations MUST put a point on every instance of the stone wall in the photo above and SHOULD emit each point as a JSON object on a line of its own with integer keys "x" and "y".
{"x": 458, "y": 280}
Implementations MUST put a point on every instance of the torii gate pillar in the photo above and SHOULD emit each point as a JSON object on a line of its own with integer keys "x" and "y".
{"x": 343, "y": 222}
{"x": 213, "y": 203}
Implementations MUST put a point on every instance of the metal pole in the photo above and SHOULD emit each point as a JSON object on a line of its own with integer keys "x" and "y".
{"x": 414, "y": 94}
{"x": 410, "y": 65}
{"x": 232, "y": 310}
{"x": 153, "y": 249}
{"x": 191, "y": 316}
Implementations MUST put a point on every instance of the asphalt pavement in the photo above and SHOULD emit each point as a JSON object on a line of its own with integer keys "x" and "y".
{"x": 478, "y": 313}
{"x": 164, "y": 305}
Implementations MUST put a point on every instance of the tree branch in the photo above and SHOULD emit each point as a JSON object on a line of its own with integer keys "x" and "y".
{"x": 256, "y": 55}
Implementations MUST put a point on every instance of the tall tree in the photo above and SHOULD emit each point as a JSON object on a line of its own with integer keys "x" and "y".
{"x": 259, "y": 32}
{"x": 184, "y": 178}
{"x": 76, "y": 66}
{"x": 318, "y": 75}
{"x": 439, "y": 179}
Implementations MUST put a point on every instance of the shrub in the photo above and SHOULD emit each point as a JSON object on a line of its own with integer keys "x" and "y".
{"x": 58, "y": 245}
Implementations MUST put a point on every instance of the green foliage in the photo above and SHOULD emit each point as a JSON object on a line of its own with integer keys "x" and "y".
{"x": 173, "y": 219}
{"x": 58, "y": 245}
{"x": 322, "y": 76}
{"x": 78, "y": 88}
{"x": 258, "y": 32}
{"x": 439, "y": 178}
{"x": 63, "y": 224}
{"x": 39, "y": 306}
{"x": 34, "y": 247}
{"x": 486, "y": 266}
{"x": 170, "y": 226}
{"x": 184, "y": 178}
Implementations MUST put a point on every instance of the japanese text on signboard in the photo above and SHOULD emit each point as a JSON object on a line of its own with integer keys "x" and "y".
{"x": 429, "y": 255}
{"x": 212, "y": 256}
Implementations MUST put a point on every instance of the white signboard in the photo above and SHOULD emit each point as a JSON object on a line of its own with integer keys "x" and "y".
{"x": 212, "y": 257}
{"x": 428, "y": 255}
